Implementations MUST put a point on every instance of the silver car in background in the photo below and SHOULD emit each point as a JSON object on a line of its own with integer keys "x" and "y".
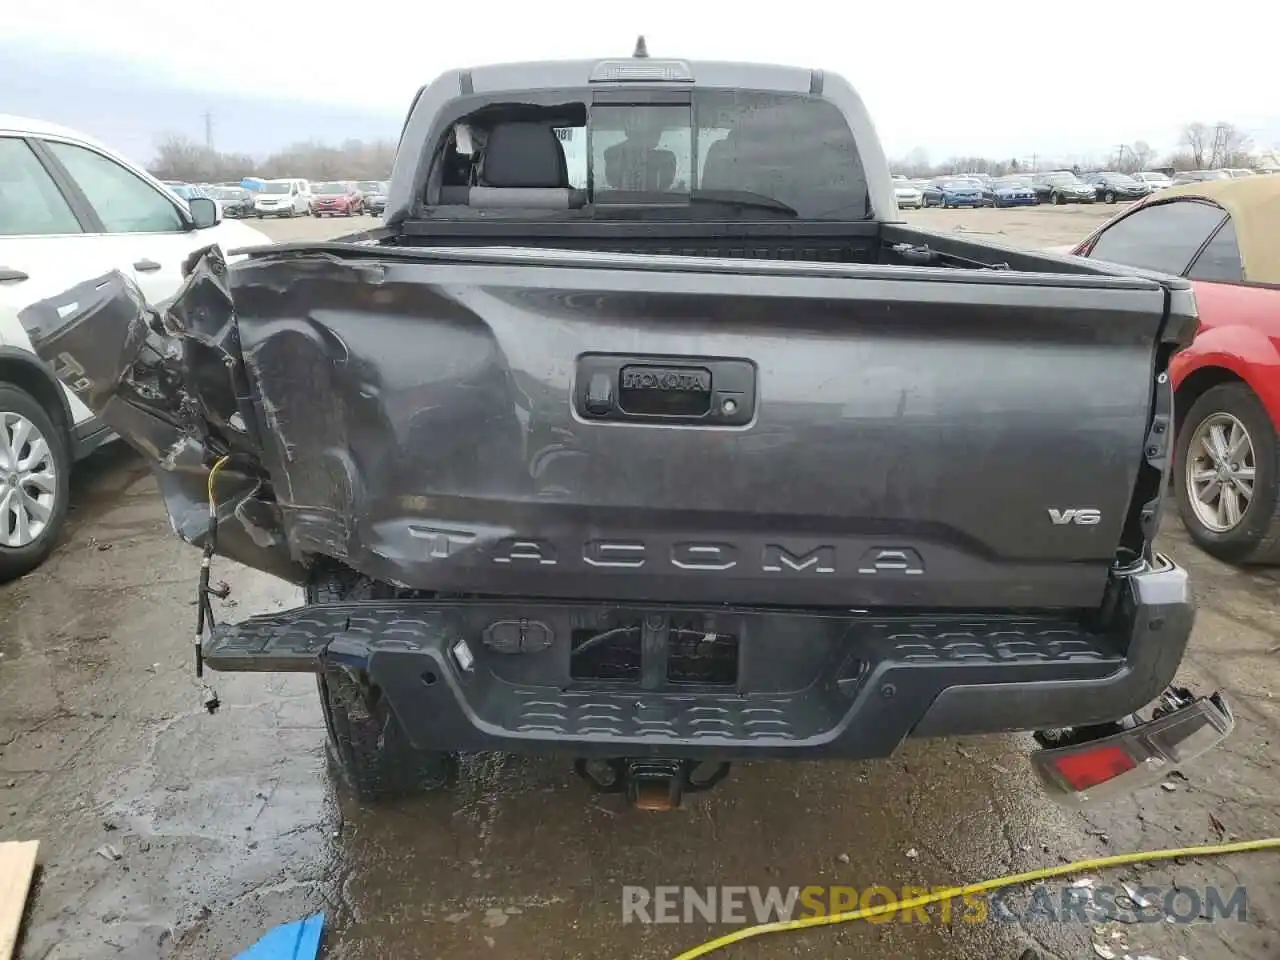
{"x": 908, "y": 195}
{"x": 1154, "y": 179}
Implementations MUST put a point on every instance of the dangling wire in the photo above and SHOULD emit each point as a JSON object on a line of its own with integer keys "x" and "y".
{"x": 204, "y": 608}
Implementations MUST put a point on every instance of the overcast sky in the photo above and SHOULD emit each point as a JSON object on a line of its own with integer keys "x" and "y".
{"x": 955, "y": 78}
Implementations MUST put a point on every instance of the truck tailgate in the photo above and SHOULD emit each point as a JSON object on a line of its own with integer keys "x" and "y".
{"x": 578, "y": 426}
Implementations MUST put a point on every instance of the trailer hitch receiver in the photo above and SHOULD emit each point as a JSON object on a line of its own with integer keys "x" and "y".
{"x": 651, "y": 783}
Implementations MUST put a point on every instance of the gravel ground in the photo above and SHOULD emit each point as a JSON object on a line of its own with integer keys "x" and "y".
{"x": 225, "y": 825}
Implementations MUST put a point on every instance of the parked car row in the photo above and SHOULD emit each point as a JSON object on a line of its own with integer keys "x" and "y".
{"x": 1052, "y": 186}
{"x": 289, "y": 197}
{"x": 1200, "y": 176}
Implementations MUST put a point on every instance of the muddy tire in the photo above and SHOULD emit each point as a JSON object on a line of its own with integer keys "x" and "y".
{"x": 1249, "y": 533}
{"x": 35, "y": 482}
{"x": 368, "y": 745}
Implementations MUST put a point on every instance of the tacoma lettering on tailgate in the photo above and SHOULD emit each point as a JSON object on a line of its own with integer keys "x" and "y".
{"x": 699, "y": 555}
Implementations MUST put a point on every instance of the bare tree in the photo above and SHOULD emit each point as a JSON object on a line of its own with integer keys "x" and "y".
{"x": 918, "y": 162}
{"x": 1210, "y": 147}
{"x": 914, "y": 164}
{"x": 1196, "y": 137}
{"x": 180, "y": 158}
{"x": 1136, "y": 156}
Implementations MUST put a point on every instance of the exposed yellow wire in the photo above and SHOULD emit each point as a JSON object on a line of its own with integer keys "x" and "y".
{"x": 1046, "y": 873}
{"x": 213, "y": 475}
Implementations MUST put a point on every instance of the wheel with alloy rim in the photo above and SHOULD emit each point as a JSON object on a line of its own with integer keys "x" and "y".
{"x": 1226, "y": 476}
{"x": 1220, "y": 471}
{"x": 34, "y": 475}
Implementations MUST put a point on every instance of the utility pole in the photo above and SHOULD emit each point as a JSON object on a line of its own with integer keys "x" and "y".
{"x": 208, "y": 131}
{"x": 1034, "y": 166}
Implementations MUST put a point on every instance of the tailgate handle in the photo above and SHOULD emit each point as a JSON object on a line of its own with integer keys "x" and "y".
{"x": 665, "y": 391}
{"x": 708, "y": 391}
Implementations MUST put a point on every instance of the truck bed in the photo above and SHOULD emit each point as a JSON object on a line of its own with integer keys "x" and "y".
{"x": 941, "y": 436}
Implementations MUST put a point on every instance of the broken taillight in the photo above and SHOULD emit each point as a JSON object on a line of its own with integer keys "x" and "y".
{"x": 1093, "y": 765}
{"x": 1180, "y": 730}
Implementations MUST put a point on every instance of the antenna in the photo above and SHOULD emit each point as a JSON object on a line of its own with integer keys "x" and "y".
{"x": 642, "y": 51}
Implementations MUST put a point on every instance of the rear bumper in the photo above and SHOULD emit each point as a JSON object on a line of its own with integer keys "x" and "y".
{"x": 804, "y": 685}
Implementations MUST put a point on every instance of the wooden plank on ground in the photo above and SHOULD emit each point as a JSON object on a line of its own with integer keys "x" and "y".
{"x": 17, "y": 866}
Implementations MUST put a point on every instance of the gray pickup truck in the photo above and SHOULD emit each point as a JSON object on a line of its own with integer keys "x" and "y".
{"x": 645, "y": 433}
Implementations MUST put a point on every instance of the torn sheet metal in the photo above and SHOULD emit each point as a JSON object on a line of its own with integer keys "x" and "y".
{"x": 172, "y": 385}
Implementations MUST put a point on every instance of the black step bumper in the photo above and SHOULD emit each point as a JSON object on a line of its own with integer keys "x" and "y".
{"x": 844, "y": 684}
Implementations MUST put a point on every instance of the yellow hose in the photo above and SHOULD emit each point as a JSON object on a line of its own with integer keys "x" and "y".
{"x": 1080, "y": 866}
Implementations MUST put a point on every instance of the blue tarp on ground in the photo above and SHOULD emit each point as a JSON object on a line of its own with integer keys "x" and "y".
{"x": 299, "y": 940}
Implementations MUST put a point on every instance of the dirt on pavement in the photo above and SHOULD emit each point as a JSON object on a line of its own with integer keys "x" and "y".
{"x": 167, "y": 832}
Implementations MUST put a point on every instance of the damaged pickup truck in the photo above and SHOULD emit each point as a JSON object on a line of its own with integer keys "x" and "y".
{"x": 645, "y": 433}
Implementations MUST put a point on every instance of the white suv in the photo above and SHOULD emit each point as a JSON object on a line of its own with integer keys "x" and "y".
{"x": 71, "y": 210}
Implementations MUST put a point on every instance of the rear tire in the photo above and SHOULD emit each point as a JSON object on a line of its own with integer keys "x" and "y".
{"x": 369, "y": 746}
{"x": 366, "y": 741}
{"x": 1109, "y": 196}
{"x": 1255, "y": 537}
{"x": 23, "y": 555}
{"x": 1057, "y": 199}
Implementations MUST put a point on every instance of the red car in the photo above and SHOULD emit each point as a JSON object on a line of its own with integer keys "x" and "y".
{"x": 337, "y": 198}
{"x": 1223, "y": 236}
